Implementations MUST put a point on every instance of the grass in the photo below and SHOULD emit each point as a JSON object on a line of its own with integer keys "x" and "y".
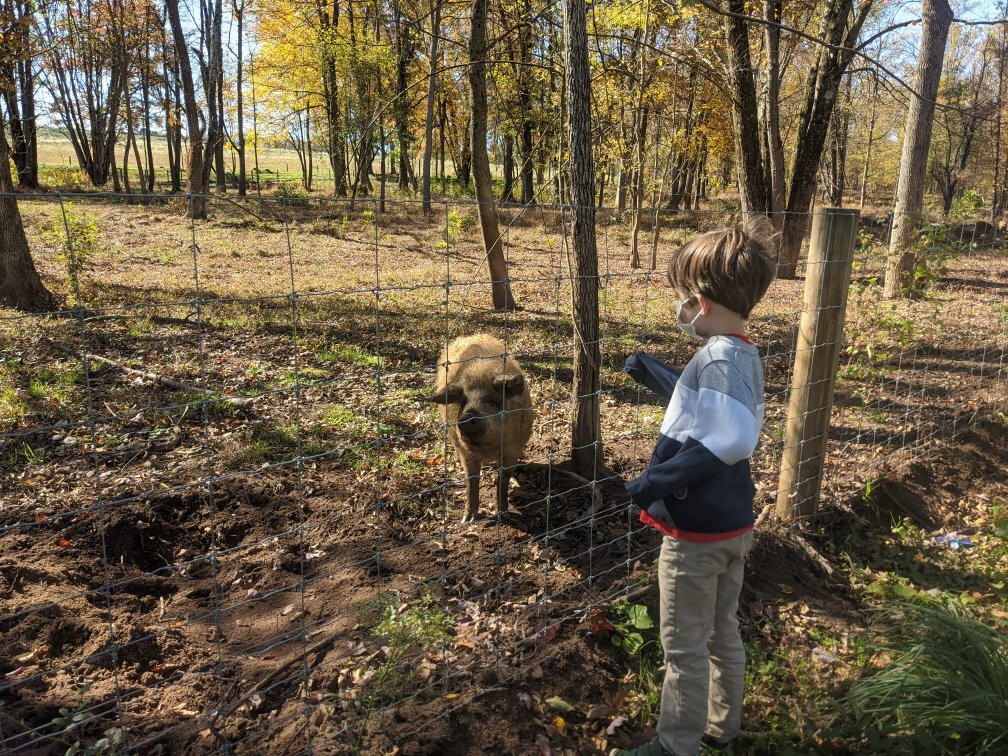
{"x": 348, "y": 354}
{"x": 936, "y": 683}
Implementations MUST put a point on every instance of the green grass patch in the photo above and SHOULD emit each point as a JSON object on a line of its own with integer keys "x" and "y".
{"x": 936, "y": 683}
{"x": 347, "y": 354}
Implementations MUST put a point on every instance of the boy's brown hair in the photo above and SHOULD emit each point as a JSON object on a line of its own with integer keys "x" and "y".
{"x": 733, "y": 266}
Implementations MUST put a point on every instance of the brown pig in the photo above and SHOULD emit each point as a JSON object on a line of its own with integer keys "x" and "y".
{"x": 487, "y": 408}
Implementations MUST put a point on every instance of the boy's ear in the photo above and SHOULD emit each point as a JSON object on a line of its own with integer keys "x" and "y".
{"x": 449, "y": 394}
{"x": 705, "y": 303}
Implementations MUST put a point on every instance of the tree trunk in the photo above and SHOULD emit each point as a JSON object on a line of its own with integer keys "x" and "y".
{"x": 197, "y": 187}
{"x": 502, "y": 299}
{"x": 937, "y": 18}
{"x": 871, "y": 140}
{"x": 17, "y": 91}
{"x": 821, "y": 90}
{"x": 20, "y": 285}
{"x": 997, "y": 198}
{"x": 431, "y": 95}
{"x": 239, "y": 10}
{"x": 745, "y": 115}
{"x": 637, "y": 189}
{"x": 586, "y": 433}
{"x": 777, "y": 189}
{"x": 219, "y": 170}
{"x": 507, "y": 193}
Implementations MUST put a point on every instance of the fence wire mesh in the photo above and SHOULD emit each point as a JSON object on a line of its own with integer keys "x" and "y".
{"x": 231, "y": 516}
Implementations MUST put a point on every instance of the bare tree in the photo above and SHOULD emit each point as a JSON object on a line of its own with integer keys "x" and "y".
{"x": 238, "y": 9}
{"x": 431, "y": 95}
{"x": 492, "y": 242}
{"x": 839, "y": 28}
{"x": 17, "y": 87}
{"x": 199, "y": 162}
{"x": 937, "y": 18}
{"x": 968, "y": 108}
{"x": 586, "y": 435}
{"x": 86, "y": 76}
{"x": 20, "y": 285}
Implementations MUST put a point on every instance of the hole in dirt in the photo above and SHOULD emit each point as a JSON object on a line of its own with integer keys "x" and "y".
{"x": 67, "y": 634}
{"x": 129, "y": 543}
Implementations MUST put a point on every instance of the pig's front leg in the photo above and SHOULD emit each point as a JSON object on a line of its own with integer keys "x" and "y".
{"x": 471, "y": 466}
{"x": 504, "y": 483}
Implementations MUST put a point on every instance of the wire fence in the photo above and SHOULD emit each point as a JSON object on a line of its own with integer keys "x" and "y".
{"x": 231, "y": 517}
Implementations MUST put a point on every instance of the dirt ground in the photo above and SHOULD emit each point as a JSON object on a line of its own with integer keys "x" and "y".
{"x": 263, "y": 551}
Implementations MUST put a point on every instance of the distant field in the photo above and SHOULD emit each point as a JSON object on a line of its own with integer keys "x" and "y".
{"x": 276, "y": 163}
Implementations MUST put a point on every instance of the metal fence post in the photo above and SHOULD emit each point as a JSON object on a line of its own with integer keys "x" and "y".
{"x": 827, "y": 280}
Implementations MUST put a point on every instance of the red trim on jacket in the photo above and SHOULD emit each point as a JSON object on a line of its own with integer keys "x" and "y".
{"x": 740, "y": 337}
{"x": 687, "y": 535}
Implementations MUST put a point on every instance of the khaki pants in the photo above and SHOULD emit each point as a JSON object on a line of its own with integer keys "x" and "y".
{"x": 704, "y": 656}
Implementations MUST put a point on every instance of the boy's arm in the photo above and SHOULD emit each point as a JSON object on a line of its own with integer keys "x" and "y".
{"x": 724, "y": 432}
{"x": 653, "y": 373}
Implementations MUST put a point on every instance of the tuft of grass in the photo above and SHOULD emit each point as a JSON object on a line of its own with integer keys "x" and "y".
{"x": 348, "y": 353}
{"x": 937, "y": 683}
{"x": 12, "y": 408}
{"x": 54, "y": 385}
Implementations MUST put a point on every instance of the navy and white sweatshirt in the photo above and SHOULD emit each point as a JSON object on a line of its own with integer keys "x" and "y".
{"x": 698, "y": 485}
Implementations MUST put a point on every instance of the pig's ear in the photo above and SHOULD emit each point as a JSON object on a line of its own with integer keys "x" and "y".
{"x": 449, "y": 394}
{"x": 510, "y": 385}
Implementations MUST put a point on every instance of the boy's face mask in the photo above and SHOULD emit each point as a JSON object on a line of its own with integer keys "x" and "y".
{"x": 688, "y": 328}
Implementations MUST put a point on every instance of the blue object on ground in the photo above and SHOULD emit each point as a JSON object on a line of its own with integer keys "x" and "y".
{"x": 653, "y": 373}
{"x": 955, "y": 541}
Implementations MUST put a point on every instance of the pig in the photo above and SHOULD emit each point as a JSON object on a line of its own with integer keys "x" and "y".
{"x": 486, "y": 406}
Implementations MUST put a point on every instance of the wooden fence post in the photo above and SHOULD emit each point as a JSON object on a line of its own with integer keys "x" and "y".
{"x": 817, "y": 352}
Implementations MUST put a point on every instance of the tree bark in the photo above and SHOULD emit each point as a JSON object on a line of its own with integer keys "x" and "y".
{"x": 197, "y": 187}
{"x": 431, "y": 95}
{"x": 777, "y": 189}
{"x": 239, "y": 10}
{"x": 821, "y": 90}
{"x": 507, "y": 193}
{"x": 492, "y": 243}
{"x": 586, "y": 434}
{"x": 871, "y": 140}
{"x": 937, "y": 18}
{"x": 17, "y": 91}
{"x": 20, "y": 285}
{"x": 745, "y": 115}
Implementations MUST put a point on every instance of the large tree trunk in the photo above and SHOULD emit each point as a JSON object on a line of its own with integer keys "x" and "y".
{"x": 937, "y": 18}
{"x": 197, "y": 187}
{"x": 431, "y": 95}
{"x": 745, "y": 115}
{"x": 17, "y": 90}
{"x": 821, "y": 90}
{"x": 777, "y": 189}
{"x": 20, "y": 285}
{"x": 586, "y": 433}
{"x": 507, "y": 193}
{"x": 871, "y": 140}
{"x": 239, "y": 10}
{"x": 404, "y": 54}
{"x": 492, "y": 243}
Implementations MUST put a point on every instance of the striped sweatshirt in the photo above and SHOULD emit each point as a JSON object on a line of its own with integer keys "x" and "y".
{"x": 699, "y": 485}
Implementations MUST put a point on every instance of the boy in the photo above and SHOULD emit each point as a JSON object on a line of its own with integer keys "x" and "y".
{"x": 698, "y": 489}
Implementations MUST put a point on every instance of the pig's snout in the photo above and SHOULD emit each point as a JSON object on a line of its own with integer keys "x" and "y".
{"x": 470, "y": 425}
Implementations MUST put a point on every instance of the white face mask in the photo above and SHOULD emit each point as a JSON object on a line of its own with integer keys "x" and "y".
{"x": 688, "y": 328}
